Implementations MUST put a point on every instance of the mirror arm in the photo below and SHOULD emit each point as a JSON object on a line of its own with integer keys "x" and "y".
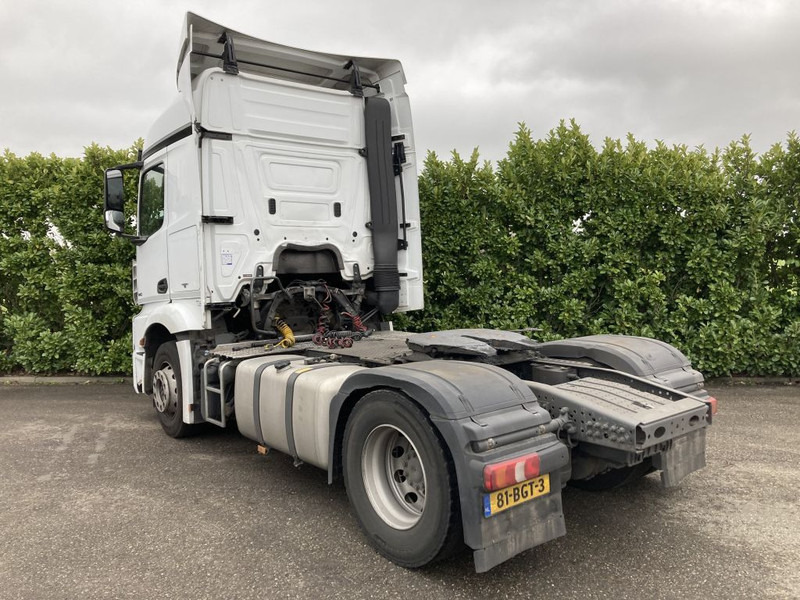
{"x": 134, "y": 165}
{"x": 136, "y": 240}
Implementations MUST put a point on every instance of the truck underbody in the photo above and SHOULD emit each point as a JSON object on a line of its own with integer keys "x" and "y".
{"x": 492, "y": 396}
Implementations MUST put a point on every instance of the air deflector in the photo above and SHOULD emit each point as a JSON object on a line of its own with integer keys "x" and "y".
{"x": 382, "y": 202}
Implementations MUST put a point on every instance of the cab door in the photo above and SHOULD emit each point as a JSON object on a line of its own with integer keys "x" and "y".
{"x": 151, "y": 220}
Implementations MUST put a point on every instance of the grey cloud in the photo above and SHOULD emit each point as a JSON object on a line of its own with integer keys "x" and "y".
{"x": 683, "y": 71}
{"x": 671, "y": 71}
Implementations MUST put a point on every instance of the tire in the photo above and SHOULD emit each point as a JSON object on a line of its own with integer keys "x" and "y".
{"x": 614, "y": 478}
{"x": 400, "y": 481}
{"x": 168, "y": 391}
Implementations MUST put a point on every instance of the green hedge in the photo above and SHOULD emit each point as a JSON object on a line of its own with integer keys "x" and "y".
{"x": 65, "y": 284}
{"x": 696, "y": 248}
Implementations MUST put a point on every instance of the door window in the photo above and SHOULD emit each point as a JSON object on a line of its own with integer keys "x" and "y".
{"x": 151, "y": 201}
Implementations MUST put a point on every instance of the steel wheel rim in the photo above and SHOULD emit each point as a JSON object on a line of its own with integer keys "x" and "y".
{"x": 165, "y": 389}
{"x": 394, "y": 477}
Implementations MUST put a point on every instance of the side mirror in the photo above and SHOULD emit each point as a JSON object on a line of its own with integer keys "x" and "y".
{"x": 115, "y": 221}
{"x": 114, "y": 203}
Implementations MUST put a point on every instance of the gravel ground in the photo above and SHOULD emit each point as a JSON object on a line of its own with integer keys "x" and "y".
{"x": 98, "y": 503}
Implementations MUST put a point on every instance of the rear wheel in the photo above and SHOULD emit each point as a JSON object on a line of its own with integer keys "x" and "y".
{"x": 400, "y": 481}
{"x": 168, "y": 391}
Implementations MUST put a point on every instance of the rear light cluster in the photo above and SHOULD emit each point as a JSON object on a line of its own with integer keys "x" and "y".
{"x": 503, "y": 474}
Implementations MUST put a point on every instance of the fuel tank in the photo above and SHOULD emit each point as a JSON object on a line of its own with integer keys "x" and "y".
{"x": 283, "y": 402}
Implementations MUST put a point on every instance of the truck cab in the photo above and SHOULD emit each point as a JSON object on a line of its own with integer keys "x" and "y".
{"x": 274, "y": 166}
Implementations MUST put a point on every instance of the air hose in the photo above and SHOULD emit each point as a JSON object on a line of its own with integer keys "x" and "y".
{"x": 288, "y": 335}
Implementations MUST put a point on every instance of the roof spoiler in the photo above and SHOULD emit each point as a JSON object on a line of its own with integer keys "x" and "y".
{"x": 206, "y": 45}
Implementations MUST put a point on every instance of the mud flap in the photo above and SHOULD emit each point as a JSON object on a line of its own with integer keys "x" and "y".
{"x": 531, "y": 525}
{"x": 687, "y": 454}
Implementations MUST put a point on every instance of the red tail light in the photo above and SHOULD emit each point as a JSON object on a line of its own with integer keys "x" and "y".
{"x": 503, "y": 474}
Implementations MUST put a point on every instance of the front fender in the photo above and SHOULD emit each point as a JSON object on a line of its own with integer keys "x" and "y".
{"x": 176, "y": 317}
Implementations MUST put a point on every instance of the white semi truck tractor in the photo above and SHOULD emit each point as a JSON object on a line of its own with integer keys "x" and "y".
{"x": 276, "y": 226}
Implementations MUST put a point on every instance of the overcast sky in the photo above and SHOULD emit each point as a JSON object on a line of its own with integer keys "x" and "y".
{"x": 683, "y": 71}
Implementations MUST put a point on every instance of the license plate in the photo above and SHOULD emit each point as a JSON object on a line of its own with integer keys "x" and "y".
{"x": 497, "y": 502}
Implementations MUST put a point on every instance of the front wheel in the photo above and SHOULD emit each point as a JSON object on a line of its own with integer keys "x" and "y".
{"x": 168, "y": 391}
{"x": 400, "y": 481}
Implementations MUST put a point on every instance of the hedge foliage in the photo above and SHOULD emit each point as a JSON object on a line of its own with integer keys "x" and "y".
{"x": 65, "y": 284}
{"x": 693, "y": 247}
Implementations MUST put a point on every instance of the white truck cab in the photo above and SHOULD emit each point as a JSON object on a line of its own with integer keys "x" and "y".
{"x": 257, "y": 169}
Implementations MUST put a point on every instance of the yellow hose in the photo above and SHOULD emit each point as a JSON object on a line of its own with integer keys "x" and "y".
{"x": 287, "y": 333}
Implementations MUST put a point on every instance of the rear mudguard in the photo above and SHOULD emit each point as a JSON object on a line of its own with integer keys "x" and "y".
{"x": 640, "y": 356}
{"x": 470, "y": 403}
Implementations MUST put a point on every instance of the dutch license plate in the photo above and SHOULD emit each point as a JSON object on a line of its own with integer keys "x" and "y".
{"x": 496, "y": 502}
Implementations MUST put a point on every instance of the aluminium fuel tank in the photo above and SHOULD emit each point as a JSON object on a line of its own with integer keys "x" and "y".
{"x": 283, "y": 402}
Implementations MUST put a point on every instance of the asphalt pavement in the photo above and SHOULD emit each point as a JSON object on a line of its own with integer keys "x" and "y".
{"x": 96, "y": 502}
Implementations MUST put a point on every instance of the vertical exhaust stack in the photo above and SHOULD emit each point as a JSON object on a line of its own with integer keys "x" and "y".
{"x": 382, "y": 203}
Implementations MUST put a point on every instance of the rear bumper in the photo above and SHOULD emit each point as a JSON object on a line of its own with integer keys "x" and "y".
{"x": 621, "y": 423}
